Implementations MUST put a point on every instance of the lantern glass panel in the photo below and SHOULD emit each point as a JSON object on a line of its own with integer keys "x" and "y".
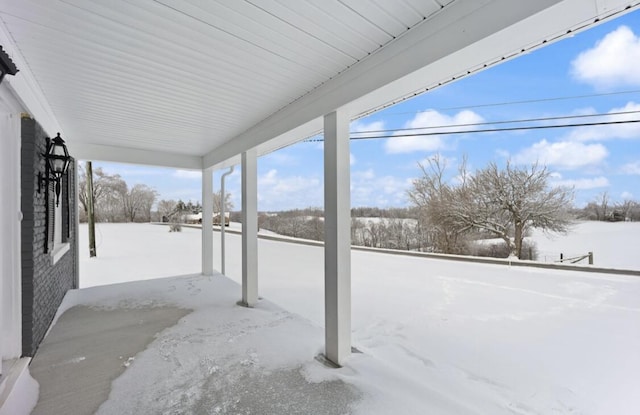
{"x": 58, "y": 165}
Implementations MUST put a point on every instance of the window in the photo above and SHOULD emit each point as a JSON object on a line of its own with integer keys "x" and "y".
{"x": 58, "y": 228}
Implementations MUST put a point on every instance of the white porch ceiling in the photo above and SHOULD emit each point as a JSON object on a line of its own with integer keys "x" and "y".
{"x": 192, "y": 83}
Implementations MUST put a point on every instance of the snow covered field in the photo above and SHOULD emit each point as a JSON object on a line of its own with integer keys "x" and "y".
{"x": 614, "y": 244}
{"x": 446, "y": 337}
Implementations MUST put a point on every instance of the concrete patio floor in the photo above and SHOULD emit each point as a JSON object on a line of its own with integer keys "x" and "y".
{"x": 182, "y": 346}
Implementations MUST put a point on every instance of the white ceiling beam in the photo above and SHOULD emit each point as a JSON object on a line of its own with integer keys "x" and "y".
{"x": 85, "y": 151}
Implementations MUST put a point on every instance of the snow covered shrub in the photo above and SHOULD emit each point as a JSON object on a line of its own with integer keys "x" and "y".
{"x": 499, "y": 249}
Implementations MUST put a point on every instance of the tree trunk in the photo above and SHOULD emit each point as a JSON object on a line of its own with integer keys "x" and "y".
{"x": 90, "y": 211}
{"x": 510, "y": 244}
{"x": 517, "y": 239}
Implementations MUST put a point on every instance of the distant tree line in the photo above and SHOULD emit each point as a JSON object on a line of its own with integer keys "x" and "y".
{"x": 452, "y": 216}
{"x": 298, "y": 223}
{"x": 114, "y": 200}
{"x": 601, "y": 208}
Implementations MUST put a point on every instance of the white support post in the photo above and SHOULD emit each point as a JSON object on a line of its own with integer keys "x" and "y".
{"x": 337, "y": 234}
{"x": 10, "y": 237}
{"x": 249, "y": 228}
{"x": 76, "y": 227}
{"x": 207, "y": 221}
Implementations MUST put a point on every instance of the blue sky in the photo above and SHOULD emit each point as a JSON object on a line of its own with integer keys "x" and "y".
{"x": 601, "y": 65}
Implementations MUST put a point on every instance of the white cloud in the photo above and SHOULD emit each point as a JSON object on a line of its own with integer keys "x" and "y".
{"x": 352, "y": 159}
{"x": 502, "y": 153}
{"x": 427, "y": 119}
{"x": 555, "y": 175}
{"x": 583, "y": 184}
{"x": 142, "y": 172}
{"x": 186, "y": 194}
{"x": 446, "y": 162}
{"x": 363, "y": 175}
{"x": 281, "y": 158}
{"x": 612, "y": 62}
{"x": 631, "y": 168}
{"x": 360, "y": 128}
{"x": 367, "y": 189}
{"x": 187, "y": 174}
{"x": 626, "y": 196}
{"x": 562, "y": 154}
{"x": 611, "y": 131}
{"x": 277, "y": 192}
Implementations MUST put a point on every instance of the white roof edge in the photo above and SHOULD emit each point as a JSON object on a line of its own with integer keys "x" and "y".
{"x": 26, "y": 88}
{"x": 456, "y": 66}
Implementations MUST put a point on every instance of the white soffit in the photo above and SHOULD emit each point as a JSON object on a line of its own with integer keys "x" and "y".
{"x": 187, "y": 76}
{"x": 192, "y": 83}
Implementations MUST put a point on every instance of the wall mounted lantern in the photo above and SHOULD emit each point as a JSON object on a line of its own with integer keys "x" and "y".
{"x": 57, "y": 162}
{"x": 6, "y": 65}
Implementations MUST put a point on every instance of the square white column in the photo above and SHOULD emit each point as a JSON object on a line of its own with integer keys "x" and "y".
{"x": 337, "y": 234}
{"x": 10, "y": 237}
{"x": 207, "y": 221}
{"x": 249, "y": 228}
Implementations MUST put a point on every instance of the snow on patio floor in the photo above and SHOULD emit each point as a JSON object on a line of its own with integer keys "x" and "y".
{"x": 182, "y": 346}
{"x": 437, "y": 336}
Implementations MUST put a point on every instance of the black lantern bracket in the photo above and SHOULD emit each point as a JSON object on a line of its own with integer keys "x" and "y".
{"x": 57, "y": 161}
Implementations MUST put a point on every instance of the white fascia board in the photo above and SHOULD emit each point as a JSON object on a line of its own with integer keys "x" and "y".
{"x": 294, "y": 135}
{"x": 8, "y": 100}
{"x": 462, "y": 37}
{"x": 550, "y": 25}
{"x": 25, "y": 87}
{"x": 457, "y": 26}
{"x": 83, "y": 151}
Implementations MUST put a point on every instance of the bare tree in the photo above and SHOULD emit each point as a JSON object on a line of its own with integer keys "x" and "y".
{"x": 598, "y": 208}
{"x": 517, "y": 199}
{"x": 148, "y": 197}
{"x": 505, "y": 203}
{"x": 591, "y": 211}
{"x": 603, "y": 200}
{"x": 167, "y": 208}
{"x": 623, "y": 211}
{"x": 633, "y": 212}
{"x": 432, "y": 194}
{"x": 217, "y": 202}
{"x": 137, "y": 201}
{"x": 375, "y": 234}
{"x": 106, "y": 194}
{"x": 357, "y": 228}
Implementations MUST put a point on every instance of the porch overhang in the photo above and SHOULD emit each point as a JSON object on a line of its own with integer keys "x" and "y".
{"x": 225, "y": 78}
{"x": 202, "y": 85}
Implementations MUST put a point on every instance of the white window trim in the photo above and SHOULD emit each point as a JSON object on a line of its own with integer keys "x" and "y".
{"x": 59, "y": 248}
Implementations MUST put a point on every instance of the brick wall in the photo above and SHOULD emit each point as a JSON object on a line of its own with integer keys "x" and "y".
{"x": 44, "y": 284}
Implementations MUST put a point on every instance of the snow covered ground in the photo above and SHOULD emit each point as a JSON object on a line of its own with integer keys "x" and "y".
{"x": 614, "y": 244}
{"x": 437, "y": 336}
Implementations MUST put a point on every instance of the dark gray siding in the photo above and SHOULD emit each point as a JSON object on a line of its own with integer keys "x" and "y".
{"x": 44, "y": 284}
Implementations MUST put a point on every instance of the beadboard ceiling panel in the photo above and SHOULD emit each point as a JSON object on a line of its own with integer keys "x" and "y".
{"x": 192, "y": 77}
